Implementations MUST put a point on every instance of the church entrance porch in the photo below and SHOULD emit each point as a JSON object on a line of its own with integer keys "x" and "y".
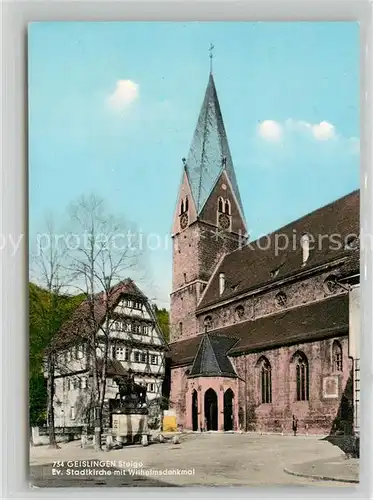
{"x": 211, "y": 404}
{"x": 211, "y": 410}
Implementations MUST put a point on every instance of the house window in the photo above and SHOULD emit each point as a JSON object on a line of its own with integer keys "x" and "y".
{"x": 143, "y": 357}
{"x": 265, "y": 381}
{"x": 302, "y": 377}
{"x": 151, "y": 388}
{"x": 72, "y": 413}
{"x": 337, "y": 357}
{"x": 145, "y": 330}
{"x": 136, "y": 328}
{"x": 137, "y": 305}
{"x": 128, "y": 303}
{"x": 154, "y": 359}
{"x": 83, "y": 383}
{"x": 126, "y": 354}
{"x": 136, "y": 357}
{"x": 119, "y": 353}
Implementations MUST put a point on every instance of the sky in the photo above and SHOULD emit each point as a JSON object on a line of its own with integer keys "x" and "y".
{"x": 113, "y": 107}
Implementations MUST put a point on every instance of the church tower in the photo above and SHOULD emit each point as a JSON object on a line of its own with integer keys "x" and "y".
{"x": 208, "y": 220}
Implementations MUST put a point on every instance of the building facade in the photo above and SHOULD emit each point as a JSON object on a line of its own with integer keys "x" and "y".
{"x": 259, "y": 330}
{"x": 136, "y": 344}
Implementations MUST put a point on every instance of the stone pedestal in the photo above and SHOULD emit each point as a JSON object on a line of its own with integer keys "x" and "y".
{"x": 130, "y": 426}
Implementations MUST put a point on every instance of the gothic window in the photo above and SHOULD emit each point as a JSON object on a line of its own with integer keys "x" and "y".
{"x": 186, "y": 204}
{"x": 220, "y": 205}
{"x": 302, "y": 376}
{"x": 337, "y": 356}
{"x": 182, "y": 207}
{"x": 227, "y": 207}
{"x": 265, "y": 380}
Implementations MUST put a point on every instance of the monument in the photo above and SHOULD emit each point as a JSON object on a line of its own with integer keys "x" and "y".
{"x": 129, "y": 411}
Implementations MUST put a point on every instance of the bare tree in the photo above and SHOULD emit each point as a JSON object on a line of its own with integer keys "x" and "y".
{"x": 102, "y": 250}
{"x": 49, "y": 272}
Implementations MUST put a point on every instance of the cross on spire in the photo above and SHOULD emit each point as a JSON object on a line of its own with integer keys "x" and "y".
{"x": 211, "y": 55}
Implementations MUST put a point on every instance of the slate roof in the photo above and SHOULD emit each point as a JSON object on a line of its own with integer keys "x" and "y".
{"x": 208, "y": 149}
{"x": 259, "y": 263}
{"x": 82, "y": 322}
{"x": 211, "y": 359}
{"x": 315, "y": 321}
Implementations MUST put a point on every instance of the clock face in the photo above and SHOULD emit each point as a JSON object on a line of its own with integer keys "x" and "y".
{"x": 224, "y": 221}
{"x": 184, "y": 221}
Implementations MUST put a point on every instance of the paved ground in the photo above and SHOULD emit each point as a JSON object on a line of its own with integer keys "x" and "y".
{"x": 208, "y": 459}
{"x": 339, "y": 468}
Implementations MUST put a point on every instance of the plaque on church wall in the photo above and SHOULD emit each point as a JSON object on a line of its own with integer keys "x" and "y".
{"x": 330, "y": 387}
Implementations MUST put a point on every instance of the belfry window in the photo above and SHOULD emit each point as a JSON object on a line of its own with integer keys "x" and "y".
{"x": 186, "y": 204}
{"x": 182, "y": 207}
{"x": 227, "y": 207}
{"x": 220, "y": 205}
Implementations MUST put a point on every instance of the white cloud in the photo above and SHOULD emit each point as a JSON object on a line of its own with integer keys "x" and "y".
{"x": 270, "y": 130}
{"x": 273, "y": 131}
{"x": 323, "y": 131}
{"x": 126, "y": 91}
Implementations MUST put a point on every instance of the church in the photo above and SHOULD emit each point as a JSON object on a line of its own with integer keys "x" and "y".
{"x": 261, "y": 332}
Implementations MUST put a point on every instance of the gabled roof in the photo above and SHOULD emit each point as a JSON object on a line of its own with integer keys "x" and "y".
{"x": 209, "y": 152}
{"x": 315, "y": 321}
{"x": 84, "y": 320}
{"x": 211, "y": 359}
{"x": 263, "y": 261}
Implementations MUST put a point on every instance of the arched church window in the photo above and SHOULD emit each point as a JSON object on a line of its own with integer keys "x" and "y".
{"x": 186, "y": 204}
{"x": 302, "y": 376}
{"x": 182, "y": 207}
{"x": 220, "y": 205}
{"x": 265, "y": 374}
{"x": 337, "y": 356}
{"x": 227, "y": 207}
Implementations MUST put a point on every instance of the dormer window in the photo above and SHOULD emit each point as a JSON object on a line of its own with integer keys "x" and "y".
{"x": 305, "y": 244}
{"x": 221, "y": 283}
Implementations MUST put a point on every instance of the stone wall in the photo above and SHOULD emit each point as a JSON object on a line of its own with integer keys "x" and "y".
{"x": 321, "y": 414}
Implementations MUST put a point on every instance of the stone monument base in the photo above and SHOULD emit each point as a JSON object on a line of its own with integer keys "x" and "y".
{"x": 130, "y": 427}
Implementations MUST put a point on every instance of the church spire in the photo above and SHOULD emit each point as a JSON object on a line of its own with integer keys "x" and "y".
{"x": 209, "y": 152}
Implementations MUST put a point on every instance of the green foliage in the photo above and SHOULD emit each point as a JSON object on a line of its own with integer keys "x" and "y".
{"x": 47, "y": 312}
{"x": 164, "y": 321}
